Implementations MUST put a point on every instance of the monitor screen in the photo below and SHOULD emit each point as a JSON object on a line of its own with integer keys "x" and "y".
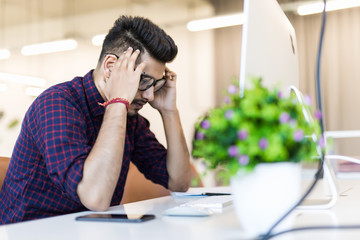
{"x": 269, "y": 48}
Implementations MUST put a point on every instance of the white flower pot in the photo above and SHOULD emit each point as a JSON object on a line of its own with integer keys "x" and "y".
{"x": 265, "y": 195}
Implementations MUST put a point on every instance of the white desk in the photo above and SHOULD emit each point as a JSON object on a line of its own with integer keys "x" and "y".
{"x": 219, "y": 226}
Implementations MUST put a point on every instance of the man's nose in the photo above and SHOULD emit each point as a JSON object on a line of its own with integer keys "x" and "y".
{"x": 148, "y": 94}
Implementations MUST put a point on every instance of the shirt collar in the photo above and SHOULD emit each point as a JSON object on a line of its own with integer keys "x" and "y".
{"x": 93, "y": 96}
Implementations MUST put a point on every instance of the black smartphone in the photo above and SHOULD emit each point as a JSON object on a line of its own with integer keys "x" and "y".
{"x": 110, "y": 217}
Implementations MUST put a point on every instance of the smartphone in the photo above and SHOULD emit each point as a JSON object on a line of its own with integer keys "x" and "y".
{"x": 134, "y": 218}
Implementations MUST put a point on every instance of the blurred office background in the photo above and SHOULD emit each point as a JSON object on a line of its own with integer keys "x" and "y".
{"x": 206, "y": 62}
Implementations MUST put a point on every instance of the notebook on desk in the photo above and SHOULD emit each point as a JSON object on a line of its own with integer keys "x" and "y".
{"x": 212, "y": 202}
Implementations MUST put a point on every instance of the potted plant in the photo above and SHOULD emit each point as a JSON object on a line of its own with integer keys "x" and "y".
{"x": 258, "y": 142}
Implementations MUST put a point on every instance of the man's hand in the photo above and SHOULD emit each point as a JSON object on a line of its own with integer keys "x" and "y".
{"x": 165, "y": 98}
{"x": 122, "y": 80}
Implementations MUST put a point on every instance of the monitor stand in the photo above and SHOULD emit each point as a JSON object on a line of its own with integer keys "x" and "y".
{"x": 329, "y": 174}
{"x": 326, "y": 202}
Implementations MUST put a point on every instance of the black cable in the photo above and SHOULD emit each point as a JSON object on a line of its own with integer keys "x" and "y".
{"x": 318, "y": 70}
{"x": 319, "y": 173}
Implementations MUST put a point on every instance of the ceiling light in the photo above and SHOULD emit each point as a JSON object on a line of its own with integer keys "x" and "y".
{"x": 330, "y": 6}
{"x": 216, "y": 22}
{"x": 3, "y": 87}
{"x": 98, "y": 40}
{"x": 49, "y": 47}
{"x": 28, "y": 80}
{"x": 4, "y": 54}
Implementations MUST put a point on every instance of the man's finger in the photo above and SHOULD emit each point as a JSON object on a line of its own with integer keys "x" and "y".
{"x": 133, "y": 58}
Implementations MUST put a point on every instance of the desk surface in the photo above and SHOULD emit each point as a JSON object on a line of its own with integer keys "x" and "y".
{"x": 219, "y": 226}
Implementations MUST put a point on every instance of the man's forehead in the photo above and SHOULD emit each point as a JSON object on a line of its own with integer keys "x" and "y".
{"x": 153, "y": 68}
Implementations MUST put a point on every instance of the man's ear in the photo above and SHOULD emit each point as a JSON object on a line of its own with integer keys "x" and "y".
{"x": 108, "y": 64}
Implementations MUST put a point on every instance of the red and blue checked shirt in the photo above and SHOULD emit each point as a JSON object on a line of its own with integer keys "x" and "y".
{"x": 56, "y": 136}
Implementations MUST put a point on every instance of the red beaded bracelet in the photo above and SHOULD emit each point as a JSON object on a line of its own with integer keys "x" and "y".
{"x": 116, "y": 100}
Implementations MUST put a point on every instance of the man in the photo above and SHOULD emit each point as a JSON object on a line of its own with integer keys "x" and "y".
{"x": 78, "y": 137}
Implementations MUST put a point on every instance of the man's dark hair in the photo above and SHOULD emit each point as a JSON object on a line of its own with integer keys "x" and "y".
{"x": 139, "y": 33}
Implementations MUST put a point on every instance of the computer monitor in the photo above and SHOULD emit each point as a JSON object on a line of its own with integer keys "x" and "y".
{"x": 269, "y": 50}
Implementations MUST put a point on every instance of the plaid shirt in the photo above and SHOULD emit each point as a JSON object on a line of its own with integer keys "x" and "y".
{"x": 56, "y": 136}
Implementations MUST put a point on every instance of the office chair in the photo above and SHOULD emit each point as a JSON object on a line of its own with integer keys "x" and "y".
{"x": 4, "y": 164}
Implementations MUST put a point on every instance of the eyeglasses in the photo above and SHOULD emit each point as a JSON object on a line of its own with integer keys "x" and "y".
{"x": 147, "y": 81}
